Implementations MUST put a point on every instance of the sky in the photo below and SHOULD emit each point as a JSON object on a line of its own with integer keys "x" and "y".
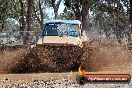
{"x": 50, "y": 11}
{"x": 61, "y": 8}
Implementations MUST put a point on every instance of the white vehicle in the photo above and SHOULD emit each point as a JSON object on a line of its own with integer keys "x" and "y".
{"x": 60, "y": 42}
{"x": 59, "y": 32}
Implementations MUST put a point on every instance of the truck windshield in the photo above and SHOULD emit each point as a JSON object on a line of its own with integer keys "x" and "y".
{"x": 57, "y": 29}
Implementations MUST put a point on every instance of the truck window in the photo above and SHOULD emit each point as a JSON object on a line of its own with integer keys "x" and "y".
{"x": 56, "y": 29}
{"x": 51, "y": 30}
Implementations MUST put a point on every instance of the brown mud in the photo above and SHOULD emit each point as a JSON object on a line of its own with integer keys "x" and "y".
{"x": 94, "y": 55}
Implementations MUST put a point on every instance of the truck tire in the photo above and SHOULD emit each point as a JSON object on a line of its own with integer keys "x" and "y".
{"x": 81, "y": 80}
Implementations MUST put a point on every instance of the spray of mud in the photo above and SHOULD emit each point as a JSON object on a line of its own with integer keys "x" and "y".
{"x": 94, "y": 55}
{"x": 49, "y": 59}
{"x": 99, "y": 55}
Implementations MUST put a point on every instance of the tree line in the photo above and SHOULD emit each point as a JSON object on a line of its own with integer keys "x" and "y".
{"x": 115, "y": 15}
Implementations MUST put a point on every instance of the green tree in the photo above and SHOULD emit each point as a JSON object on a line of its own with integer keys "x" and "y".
{"x": 5, "y": 7}
{"x": 22, "y": 20}
{"x": 80, "y": 9}
{"x": 112, "y": 14}
{"x": 30, "y": 15}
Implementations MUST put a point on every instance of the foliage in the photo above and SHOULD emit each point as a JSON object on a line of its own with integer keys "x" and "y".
{"x": 55, "y": 5}
{"x": 106, "y": 15}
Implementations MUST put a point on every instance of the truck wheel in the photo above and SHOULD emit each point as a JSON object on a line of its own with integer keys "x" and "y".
{"x": 81, "y": 80}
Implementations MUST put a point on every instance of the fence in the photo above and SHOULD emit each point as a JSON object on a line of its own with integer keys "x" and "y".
{"x": 17, "y": 38}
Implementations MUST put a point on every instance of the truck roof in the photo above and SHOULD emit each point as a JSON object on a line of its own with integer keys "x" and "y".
{"x": 64, "y": 21}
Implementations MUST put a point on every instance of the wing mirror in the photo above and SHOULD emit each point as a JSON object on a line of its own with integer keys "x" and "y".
{"x": 81, "y": 32}
{"x": 60, "y": 34}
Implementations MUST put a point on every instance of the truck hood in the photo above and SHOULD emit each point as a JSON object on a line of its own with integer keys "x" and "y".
{"x": 62, "y": 40}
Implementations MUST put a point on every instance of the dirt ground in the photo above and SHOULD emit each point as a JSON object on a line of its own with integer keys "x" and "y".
{"x": 15, "y": 79}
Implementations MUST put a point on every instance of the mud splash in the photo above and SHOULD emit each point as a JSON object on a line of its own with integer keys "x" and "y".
{"x": 100, "y": 55}
{"x": 49, "y": 59}
{"x": 94, "y": 55}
